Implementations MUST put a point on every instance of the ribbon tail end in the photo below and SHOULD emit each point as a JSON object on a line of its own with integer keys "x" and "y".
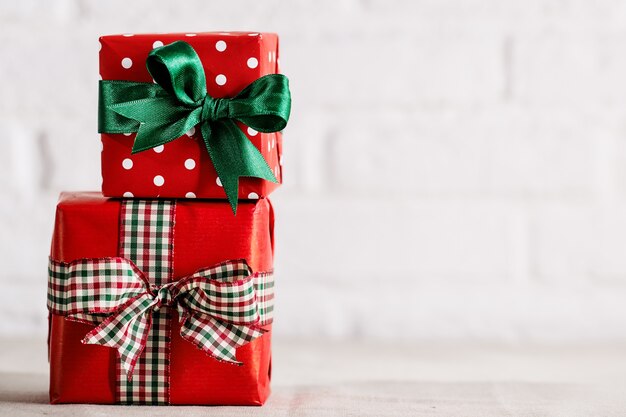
{"x": 231, "y": 188}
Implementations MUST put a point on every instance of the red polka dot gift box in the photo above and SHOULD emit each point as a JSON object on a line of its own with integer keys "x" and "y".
{"x": 194, "y": 141}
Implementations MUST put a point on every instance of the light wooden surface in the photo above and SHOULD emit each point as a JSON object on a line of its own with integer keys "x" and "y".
{"x": 359, "y": 379}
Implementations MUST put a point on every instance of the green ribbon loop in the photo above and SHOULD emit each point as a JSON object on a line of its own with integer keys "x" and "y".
{"x": 164, "y": 111}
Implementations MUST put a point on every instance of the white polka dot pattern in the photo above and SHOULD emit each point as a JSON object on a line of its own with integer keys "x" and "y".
{"x": 253, "y": 62}
{"x": 220, "y": 79}
{"x": 190, "y": 164}
{"x": 158, "y": 181}
{"x": 220, "y": 46}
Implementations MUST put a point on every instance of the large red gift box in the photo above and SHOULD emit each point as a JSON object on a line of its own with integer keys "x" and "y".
{"x": 182, "y": 168}
{"x": 204, "y": 233}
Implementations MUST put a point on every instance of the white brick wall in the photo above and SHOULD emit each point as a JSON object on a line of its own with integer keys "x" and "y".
{"x": 455, "y": 169}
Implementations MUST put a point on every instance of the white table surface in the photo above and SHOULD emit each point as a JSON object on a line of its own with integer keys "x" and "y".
{"x": 365, "y": 379}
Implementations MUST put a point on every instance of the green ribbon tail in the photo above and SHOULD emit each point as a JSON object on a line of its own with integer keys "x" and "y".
{"x": 233, "y": 156}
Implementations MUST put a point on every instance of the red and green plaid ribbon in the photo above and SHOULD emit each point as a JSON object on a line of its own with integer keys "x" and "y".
{"x": 220, "y": 308}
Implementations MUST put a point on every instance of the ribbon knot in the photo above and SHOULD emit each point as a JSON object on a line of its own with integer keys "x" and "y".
{"x": 179, "y": 100}
{"x": 214, "y": 109}
{"x": 163, "y": 297}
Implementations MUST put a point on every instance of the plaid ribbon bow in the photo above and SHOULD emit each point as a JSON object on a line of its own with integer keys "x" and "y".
{"x": 220, "y": 308}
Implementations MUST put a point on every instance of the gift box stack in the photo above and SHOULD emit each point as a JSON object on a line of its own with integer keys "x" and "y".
{"x": 160, "y": 287}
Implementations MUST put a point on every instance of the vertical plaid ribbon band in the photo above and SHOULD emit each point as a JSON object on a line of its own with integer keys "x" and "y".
{"x": 147, "y": 239}
{"x": 130, "y": 300}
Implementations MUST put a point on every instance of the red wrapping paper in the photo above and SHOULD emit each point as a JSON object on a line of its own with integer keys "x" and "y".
{"x": 206, "y": 232}
{"x": 182, "y": 168}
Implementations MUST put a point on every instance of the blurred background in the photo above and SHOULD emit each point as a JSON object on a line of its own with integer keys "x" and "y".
{"x": 454, "y": 170}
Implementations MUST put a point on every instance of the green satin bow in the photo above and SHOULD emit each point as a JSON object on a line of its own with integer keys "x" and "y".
{"x": 179, "y": 100}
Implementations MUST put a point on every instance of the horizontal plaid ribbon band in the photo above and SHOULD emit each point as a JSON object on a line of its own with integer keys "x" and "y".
{"x": 220, "y": 308}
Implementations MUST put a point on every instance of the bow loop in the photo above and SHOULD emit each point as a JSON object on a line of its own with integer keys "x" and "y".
{"x": 263, "y": 105}
{"x": 178, "y": 70}
{"x": 212, "y": 291}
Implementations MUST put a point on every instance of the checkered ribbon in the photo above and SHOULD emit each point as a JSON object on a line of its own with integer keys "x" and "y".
{"x": 220, "y": 308}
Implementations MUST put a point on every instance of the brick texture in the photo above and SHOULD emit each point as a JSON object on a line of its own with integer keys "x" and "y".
{"x": 453, "y": 169}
